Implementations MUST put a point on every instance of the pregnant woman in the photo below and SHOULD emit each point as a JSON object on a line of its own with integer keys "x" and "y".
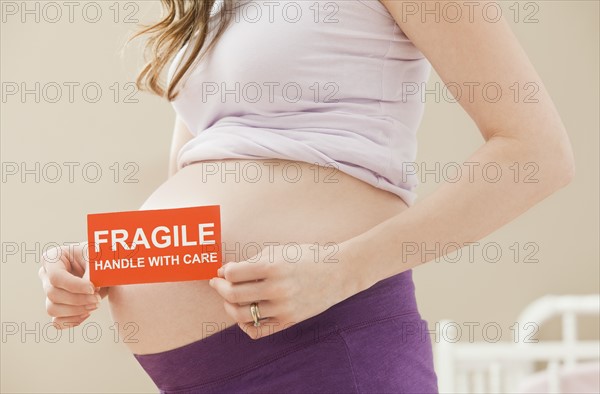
{"x": 299, "y": 119}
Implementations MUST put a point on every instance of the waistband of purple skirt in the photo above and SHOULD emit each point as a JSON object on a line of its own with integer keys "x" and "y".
{"x": 224, "y": 354}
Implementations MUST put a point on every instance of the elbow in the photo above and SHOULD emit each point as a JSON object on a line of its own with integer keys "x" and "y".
{"x": 547, "y": 146}
{"x": 566, "y": 164}
{"x": 569, "y": 172}
{"x": 562, "y": 164}
{"x": 564, "y": 176}
{"x": 554, "y": 158}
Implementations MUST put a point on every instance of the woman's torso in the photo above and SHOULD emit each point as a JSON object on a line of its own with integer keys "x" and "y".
{"x": 353, "y": 49}
{"x": 285, "y": 202}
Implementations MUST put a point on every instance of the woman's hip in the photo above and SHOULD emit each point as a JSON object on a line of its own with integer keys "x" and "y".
{"x": 372, "y": 341}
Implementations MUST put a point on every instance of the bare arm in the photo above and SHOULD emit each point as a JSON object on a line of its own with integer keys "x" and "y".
{"x": 463, "y": 52}
{"x": 466, "y": 52}
{"x": 181, "y": 135}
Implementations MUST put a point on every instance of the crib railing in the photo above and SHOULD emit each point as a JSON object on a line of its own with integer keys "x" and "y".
{"x": 483, "y": 367}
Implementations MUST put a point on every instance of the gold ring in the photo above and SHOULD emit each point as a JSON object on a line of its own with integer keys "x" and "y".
{"x": 255, "y": 314}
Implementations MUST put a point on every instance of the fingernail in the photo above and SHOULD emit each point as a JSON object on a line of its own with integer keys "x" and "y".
{"x": 92, "y": 306}
{"x": 220, "y": 271}
{"x": 211, "y": 282}
{"x": 98, "y": 297}
{"x": 91, "y": 290}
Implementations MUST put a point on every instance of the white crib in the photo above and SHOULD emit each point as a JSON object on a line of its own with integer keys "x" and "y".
{"x": 501, "y": 367}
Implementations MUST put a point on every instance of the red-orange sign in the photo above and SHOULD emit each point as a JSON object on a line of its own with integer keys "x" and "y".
{"x": 164, "y": 245}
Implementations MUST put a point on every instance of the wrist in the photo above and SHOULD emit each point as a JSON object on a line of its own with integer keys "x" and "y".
{"x": 357, "y": 268}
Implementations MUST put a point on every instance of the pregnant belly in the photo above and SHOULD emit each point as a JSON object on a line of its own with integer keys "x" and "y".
{"x": 262, "y": 202}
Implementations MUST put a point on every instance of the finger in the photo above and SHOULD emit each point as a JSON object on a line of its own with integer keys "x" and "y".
{"x": 61, "y": 296}
{"x": 72, "y": 256}
{"x": 245, "y": 271}
{"x": 58, "y": 276}
{"x": 238, "y": 293}
{"x": 63, "y": 310}
{"x": 63, "y": 271}
{"x": 242, "y": 313}
{"x": 42, "y": 272}
{"x": 69, "y": 321}
{"x": 261, "y": 331}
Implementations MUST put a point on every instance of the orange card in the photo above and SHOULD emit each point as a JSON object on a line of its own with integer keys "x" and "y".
{"x": 163, "y": 245}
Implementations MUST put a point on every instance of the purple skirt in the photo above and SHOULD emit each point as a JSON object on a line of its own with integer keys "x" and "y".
{"x": 372, "y": 342}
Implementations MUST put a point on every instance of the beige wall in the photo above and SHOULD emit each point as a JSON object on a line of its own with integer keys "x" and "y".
{"x": 563, "y": 46}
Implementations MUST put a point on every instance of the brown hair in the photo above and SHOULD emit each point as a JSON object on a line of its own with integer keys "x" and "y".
{"x": 180, "y": 20}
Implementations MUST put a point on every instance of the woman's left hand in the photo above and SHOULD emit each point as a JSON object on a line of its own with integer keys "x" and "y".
{"x": 290, "y": 283}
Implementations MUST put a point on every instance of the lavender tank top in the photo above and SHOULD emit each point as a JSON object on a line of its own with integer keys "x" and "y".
{"x": 319, "y": 81}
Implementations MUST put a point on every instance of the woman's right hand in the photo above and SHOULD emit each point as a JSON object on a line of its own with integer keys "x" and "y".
{"x": 70, "y": 298}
